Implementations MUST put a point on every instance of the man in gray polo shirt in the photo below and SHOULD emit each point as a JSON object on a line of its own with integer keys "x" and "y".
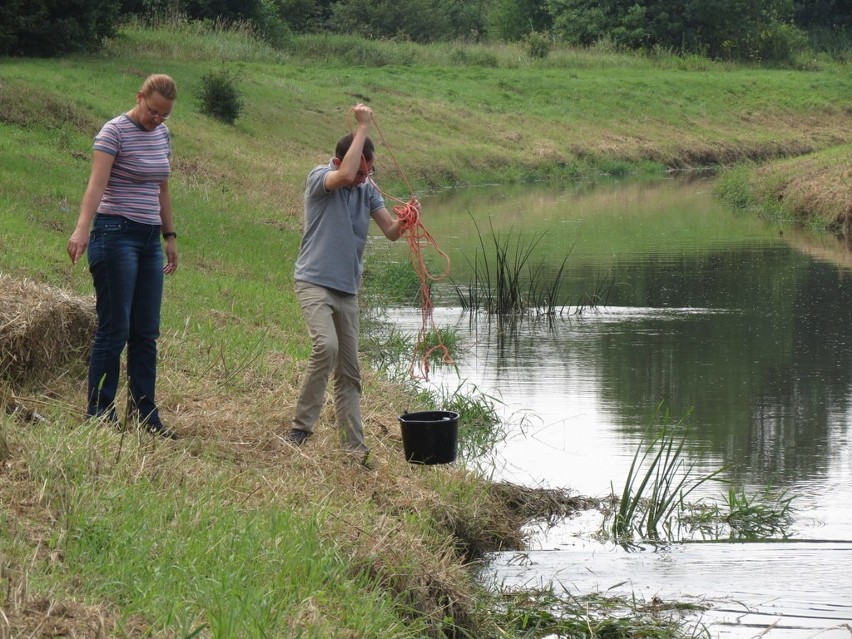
{"x": 340, "y": 199}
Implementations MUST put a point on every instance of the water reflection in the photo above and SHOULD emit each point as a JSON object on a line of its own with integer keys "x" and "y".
{"x": 723, "y": 318}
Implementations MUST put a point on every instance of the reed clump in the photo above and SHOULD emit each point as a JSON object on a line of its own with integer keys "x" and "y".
{"x": 505, "y": 281}
{"x": 742, "y": 517}
{"x": 657, "y": 484}
{"x": 653, "y": 503}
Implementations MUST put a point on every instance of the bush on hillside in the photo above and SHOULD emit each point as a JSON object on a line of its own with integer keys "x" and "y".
{"x": 220, "y": 97}
{"x": 46, "y": 28}
{"x": 537, "y": 44}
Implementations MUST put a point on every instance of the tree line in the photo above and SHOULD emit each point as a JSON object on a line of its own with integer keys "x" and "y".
{"x": 747, "y": 30}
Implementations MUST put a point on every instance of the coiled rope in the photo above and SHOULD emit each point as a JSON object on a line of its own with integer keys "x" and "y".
{"x": 419, "y": 238}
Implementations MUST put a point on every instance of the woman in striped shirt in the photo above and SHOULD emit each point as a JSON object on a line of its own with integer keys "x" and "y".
{"x": 127, "y": 207}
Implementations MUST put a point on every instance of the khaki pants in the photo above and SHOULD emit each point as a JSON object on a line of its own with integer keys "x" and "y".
{"x": 333, "y": 320}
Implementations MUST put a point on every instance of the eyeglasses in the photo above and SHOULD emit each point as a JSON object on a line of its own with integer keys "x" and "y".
{"x": 156, "y": 114}
{"x": 370, "y": 173}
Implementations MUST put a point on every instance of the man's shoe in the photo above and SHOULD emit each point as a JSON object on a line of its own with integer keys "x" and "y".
{"x": 296, "y": 436}
{"x": 162, "y": 431}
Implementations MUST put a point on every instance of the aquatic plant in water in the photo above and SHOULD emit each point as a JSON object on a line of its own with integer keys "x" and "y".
{"x": 505, "y": 282}
{"x": 480, "y": 426}
{"x": 556, "y": 612}
{"x": 653, "y": 501}
{"x": 657, "y": 483}
{"x": 767, "y": 514}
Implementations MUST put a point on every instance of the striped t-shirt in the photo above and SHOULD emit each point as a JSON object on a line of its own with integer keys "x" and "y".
{"x": 141, "y": 164}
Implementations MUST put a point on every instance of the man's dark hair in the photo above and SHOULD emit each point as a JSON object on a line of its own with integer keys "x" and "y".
{"x": 345, "y": 142}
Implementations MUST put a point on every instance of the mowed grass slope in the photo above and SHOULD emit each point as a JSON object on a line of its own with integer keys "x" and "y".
{"x": 229, "y": 532}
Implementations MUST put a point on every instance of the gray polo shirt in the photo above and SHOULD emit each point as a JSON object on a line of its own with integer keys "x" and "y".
{"x": 335, "y": 232}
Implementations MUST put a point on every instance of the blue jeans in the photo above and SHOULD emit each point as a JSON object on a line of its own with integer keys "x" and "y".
{"x": 126, "y": 262}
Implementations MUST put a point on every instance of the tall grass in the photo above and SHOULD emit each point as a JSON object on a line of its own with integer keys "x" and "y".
{"x": 504, "y": 281}
{"x": 191, "y": 546}
{"x": 657, "y": 483}
{"x": 596, "y": 297}
{"x": 173, "y": 36}
{"x": 811, "y": 189}
{"x": 233, "y": 40}
{"x": 762, "y": 516}
{"x": 329, "y": 48}
{"x": 653, "y": 503}
{"x": 390, "y": 352}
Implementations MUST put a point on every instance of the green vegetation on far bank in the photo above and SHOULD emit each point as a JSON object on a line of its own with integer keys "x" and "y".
{"x": 229, "y": 532}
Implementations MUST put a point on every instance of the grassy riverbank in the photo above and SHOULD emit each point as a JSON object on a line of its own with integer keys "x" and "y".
{"x": 229, "y": 529}
{"x": 812, "y": 190}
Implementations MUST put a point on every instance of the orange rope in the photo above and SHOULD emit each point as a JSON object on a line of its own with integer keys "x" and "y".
{"x": 418, "y": 237}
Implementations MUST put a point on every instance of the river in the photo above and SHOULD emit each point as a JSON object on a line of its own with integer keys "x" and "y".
{"x": 736, "y": 327}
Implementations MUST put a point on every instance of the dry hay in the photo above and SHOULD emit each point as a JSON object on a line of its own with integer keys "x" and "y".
{"x": 545, "y": 505}
{"x": 42, "y": 328}
{"x": 50, "y": 617}
{"x": 26, "y": 613}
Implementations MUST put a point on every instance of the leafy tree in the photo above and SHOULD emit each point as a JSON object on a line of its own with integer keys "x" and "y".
{"x": 513, "y": 19}
{"x": 145, "y": 7}
{"x": 828, "y": 24}
{"x": 304, "y": 16}
{"x": 46, "y": 28}
{"x": 468, "y": 18}
{"x": 736, "y": 28}
{"x": 823, "y": 14}
{"x": 227, "y": 10}
{"x": 584, "y": 22}
{"x": 416, "y": 20}
{"x": 224, "y": 10}
{"x": 263, "y": 15}
{"x": 739, "y": 29}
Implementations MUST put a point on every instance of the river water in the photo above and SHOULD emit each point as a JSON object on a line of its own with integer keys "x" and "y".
{"x": 738, "y": 328}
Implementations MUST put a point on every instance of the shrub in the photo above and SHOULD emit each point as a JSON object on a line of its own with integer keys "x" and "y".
{"x": 779, "y": 42}
{"x": 220, "y": 97}
{"x": 537, "y": 44}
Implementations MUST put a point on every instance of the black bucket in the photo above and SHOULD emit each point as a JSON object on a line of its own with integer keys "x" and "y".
{"x": 430, "y": 437}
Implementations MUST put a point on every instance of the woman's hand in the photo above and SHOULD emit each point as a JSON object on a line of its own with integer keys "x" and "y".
{"x": 77, "y": 244}
{"x": 171, "y": 256}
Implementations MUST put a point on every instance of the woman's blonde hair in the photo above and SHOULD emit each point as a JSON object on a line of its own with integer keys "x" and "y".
{"x": 159, "y": 83}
